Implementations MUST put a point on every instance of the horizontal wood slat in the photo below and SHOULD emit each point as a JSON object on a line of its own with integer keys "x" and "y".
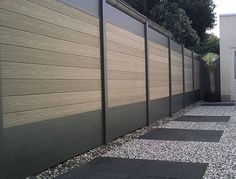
{"x": 31, "y": 40}
{"x": 35, "y": 71}
{"x": 13, "y": 104}
{"x": 13, "y": 87}
{"x": 124, "y": 33}
{"x": 67, "y": 10}
{"x": 126, "y": 66}
{"x": 42, "y": 13}
{"x": 188, "y": 74}
{"x": 176, "y": 73}
{"x": 32, "y": 25}
{"x": 20, "y": 118}
{"x": 50, "y": 61}
{"x": 45, "y": 57}
{"x": 158, "y": 70}
{"x": 196, "y": 75}
{"x": 126, "y": 100}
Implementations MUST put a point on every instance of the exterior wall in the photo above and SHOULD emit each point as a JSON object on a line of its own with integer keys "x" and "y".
{"x": 227, "y": 49}
{"x": 51, "y": 83}
{"x": 188, "y": 73}
{"x": 196, "y": 78}
{"x": 176, "y": 76}
{"x": 125, "y": 74}
{"x": 196, "y": 75}
{"x": 66, "y": 81}
{"x": 158, "y": 54}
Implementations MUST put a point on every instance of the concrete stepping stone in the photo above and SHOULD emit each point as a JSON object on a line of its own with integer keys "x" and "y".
{"x": 183, "y": 135}
{"x": 219, "y": 104}
{"x": 190, "y": 118}
{"x": 118, "y": 168}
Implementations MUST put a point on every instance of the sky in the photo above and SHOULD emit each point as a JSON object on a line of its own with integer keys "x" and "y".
{"x": 223, "y": 7}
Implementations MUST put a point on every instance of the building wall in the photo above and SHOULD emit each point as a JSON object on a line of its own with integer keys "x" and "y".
{"x": 61, "y": 96}
{"x": 158, "y": 65}
{"x": 177, "y": 100}
{"x": 227, "y": 49}
{"x": 51, "y": 83}
{"x": 188, "y": 77}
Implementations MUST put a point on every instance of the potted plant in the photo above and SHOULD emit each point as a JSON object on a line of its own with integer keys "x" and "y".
{"x": 210, "y": 63}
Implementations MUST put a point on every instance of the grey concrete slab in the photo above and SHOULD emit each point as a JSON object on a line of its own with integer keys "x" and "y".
{"x": 219, "y": 104}
{"x": 190, "y": 118}
{"x": 184, "y": 135}
{"x": 107, "y": 168}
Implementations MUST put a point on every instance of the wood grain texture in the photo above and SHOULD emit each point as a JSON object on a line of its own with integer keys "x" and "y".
{"x": 20, "y": 118}
{"x": 188, "y": 74}
{"x": 17, "y": 87}
{"x": 124, "y": 33}
{"x": 124, "y": 75}
{"x": 119, "y": 84}
{"x": 36, "y": 11}
{"x": 13, "y": 104}
{"x": 126, "y": 100}
{"x": 124, "y": 49}
{"x": 45, "y": 57}
{"x": 50, "y": 61}
{"x": 14, "y": 70}
{"x": 120, "y": 66}
{"x": 126, "y": 67}
{"x": 26, "y": 39}
{"x": 32, "y": 25}
{"x": 158, "y": 71}
{"x": 196, "y": 75}
{"x": 120, "y": 93}
{"x": 176, "y": 73}
{"x": 67, "y": 10}
{"x": 129, "y": 59}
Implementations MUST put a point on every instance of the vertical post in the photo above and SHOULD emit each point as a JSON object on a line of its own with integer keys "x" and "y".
{"x": 193, "y": 76}
{"x": 147, "y": 74}
{"x": 183, "y": 75}
{"x": 219, "y": 80}
{"x": 170, "y": 82}
{"x": 103, "y": 68}
{"x": 1, "y": 127}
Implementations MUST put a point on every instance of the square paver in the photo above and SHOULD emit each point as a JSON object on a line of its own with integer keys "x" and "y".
{"x": 184, "y": 135}
{"x": 203, "y": 118}
{"x": 219, "y": 104}
{"x": 118, "y": 168}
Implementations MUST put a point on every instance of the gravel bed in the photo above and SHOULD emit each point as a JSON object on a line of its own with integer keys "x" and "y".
{"x": 212, "y": 111}
{"x": 221, "y": 156}
{"x": 102, "y": 150}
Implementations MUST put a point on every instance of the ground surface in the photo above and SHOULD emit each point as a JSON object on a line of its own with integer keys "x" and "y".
{"x": 209, "y": 148}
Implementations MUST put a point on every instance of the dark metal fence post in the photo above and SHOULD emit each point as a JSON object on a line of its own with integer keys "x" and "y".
{"x": 147, "y": 74}
{"x": 1, "y": 128}
{"x": 193, "y": 76}
{"x": 170, "y": 82}
{"x": 183, "y": 75}
{"x": 103, "y": 68}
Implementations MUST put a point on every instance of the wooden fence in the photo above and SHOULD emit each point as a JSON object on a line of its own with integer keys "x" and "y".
{"x": 76, "y": 74}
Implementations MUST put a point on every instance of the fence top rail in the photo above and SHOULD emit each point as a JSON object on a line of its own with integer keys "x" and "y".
{"x": 127, "y": 9}
{"x": 124, "y": 7}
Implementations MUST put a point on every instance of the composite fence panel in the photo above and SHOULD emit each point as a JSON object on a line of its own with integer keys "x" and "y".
{"x": 176, "y": 76}
{"x": 51, "y": 83}
{"x": 158, "y": 75}
{"x": 65, "y": 91}
{"x": 125, "y": 73}
{"x": 188, "y": 76}
{"x": 196, "y": 77}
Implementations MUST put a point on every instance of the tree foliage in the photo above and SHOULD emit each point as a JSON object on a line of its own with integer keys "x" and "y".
{"x": 187, "y": 20}
{"x": 201, "y": 12}
{"x": 170, "y": 16}
{"x": 209, "y": 43}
